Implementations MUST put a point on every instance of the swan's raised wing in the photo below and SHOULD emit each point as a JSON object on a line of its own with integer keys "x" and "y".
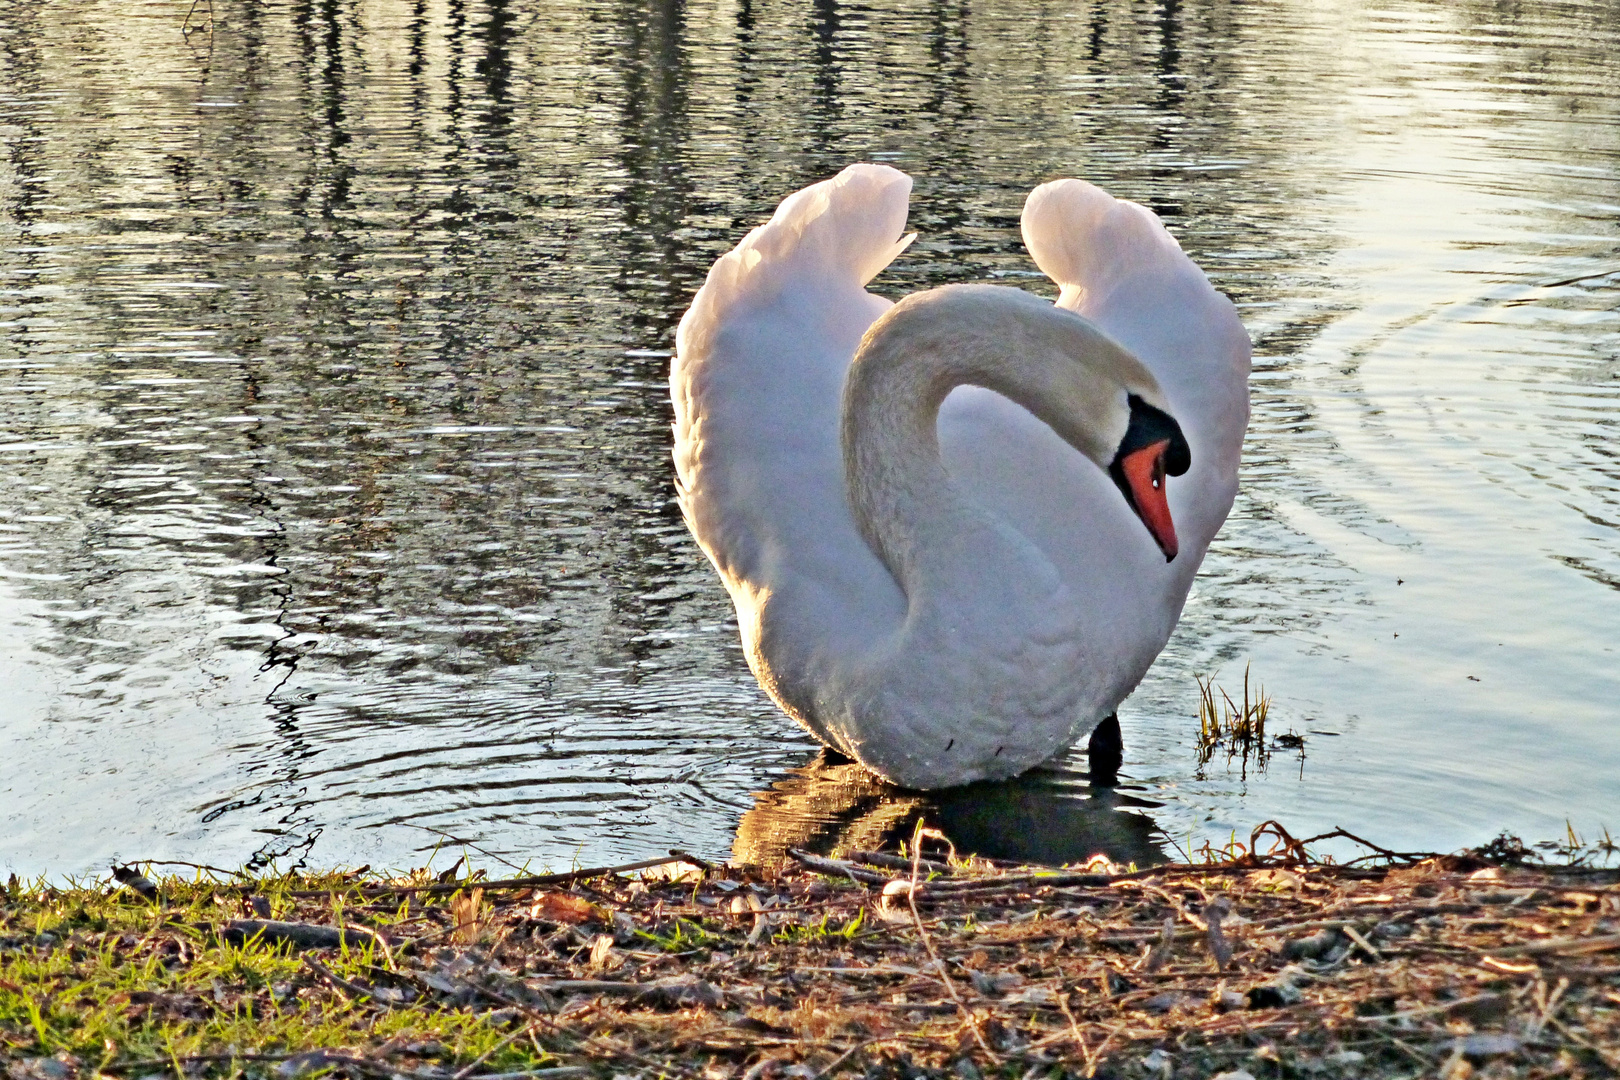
{"x": 1119, "y": 267}
{"x": 756, "y": 381}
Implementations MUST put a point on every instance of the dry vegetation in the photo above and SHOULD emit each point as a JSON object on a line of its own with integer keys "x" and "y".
{"x": 867, "y": 966}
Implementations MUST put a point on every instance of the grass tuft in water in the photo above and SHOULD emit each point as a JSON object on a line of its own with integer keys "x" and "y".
{"x": 1241, "y": 728}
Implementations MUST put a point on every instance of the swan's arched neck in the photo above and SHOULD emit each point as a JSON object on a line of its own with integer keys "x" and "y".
{"x": 1053, "y": 362}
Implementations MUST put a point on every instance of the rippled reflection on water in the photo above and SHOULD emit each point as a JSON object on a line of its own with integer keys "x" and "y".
{"x": 335, "y": 503}
{"x": 1042, "y": 816}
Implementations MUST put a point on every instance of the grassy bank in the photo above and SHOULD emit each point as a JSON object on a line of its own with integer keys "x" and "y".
{"x": 1276, "y": 966}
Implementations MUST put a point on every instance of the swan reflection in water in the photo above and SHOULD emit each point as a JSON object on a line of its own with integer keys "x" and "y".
{"x": 833, "y": 806}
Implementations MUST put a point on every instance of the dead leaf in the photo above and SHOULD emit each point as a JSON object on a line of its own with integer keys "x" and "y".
{"x": 560, "y": 907}
{"x": 468, "y": 911}
{"x": 603, "y": 957}
{"x": 895, "y": 904}
{"x": 1276, "y": 879}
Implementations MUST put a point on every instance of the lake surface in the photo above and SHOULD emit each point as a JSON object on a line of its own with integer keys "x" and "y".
{"x": 336, "y": 515}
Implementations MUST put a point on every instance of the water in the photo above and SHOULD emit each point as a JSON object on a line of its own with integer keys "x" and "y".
{"x": 335, "y": 502}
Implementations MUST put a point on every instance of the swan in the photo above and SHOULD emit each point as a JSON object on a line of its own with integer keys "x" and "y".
{"x": 958, "y": 529}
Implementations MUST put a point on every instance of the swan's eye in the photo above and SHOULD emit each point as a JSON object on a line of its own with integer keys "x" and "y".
{"x": 1149, "y": 425}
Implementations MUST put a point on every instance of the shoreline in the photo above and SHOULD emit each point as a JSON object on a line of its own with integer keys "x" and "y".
{"x": 870, "y": 965}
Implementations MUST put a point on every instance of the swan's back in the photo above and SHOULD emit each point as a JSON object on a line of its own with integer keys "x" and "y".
{"x": 759, "y": 366}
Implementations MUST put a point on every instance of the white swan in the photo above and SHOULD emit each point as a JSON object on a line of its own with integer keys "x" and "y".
{"x": 912, "y": 505}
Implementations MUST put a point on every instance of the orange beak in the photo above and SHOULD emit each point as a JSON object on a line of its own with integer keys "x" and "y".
{"x": 1143, "y": 476}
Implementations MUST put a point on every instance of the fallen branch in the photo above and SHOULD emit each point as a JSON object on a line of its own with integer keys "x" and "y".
{"x": 899, "y": 862}
{"x": 324, "y": 972}
{"x": 839, "y": 868}
{"x": 303, "y": 935}
{"x": 939, "y": 966}
{"x": 534, "y": 881}
{"x": 1406, "y": 857}
{"x": 188, "y": 1059}
{"x": 1566, "y": 946}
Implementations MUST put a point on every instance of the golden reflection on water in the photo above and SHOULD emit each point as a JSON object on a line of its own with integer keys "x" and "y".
{"x": 835, "y": 806}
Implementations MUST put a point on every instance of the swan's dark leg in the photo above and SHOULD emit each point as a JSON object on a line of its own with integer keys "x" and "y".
{"x": 832, "y": 756}
{"x": 1106, "y": 751}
